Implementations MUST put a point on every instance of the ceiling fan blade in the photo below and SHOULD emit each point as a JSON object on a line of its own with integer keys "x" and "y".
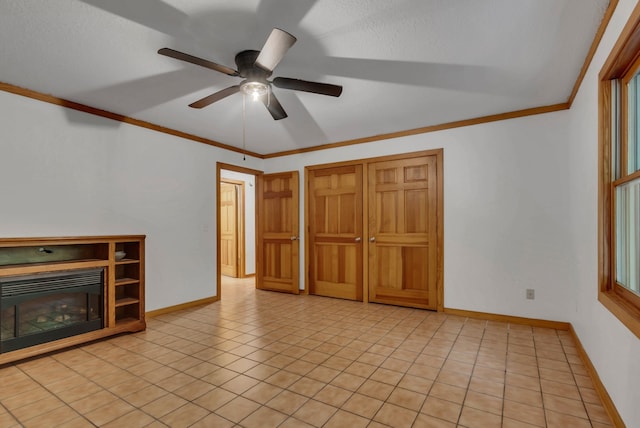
{"x": 273, "y": 105}
{"x": 215, "y": 97}
{"x": 277, "y": 44}
{"x": 197, "y": 61}
{"x": 306, "y": 86}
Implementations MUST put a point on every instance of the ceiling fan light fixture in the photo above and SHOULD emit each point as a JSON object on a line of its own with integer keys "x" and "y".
{"x": 254, "y": 89}
{"x": 256, "y": 67}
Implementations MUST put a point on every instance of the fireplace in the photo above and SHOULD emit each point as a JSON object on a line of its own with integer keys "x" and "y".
{"x": 43, "y": 307}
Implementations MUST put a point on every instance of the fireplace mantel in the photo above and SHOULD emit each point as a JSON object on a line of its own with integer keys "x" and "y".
{"x": 120, "y": 256}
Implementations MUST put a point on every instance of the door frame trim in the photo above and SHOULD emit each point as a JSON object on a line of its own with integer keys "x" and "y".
{"x": 439, "y": 153}
{"x": 229, "y": 167}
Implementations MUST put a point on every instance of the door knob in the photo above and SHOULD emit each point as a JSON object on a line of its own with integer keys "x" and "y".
{"x": 372, "y": 239}
{"x": 358, "y": 239}
{"x": 293, "y": 238}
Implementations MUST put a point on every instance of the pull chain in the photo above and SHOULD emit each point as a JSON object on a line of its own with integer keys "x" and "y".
{"x": 244, "y": 127}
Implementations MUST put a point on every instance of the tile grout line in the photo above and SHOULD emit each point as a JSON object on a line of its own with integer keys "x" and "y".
{"x": 245, "y": 332}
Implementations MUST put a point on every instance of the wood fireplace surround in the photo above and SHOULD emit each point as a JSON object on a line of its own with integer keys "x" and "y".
{"x": 120, "y": 285}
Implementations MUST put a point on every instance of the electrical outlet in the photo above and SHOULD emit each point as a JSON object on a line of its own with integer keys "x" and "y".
{"x": 531, "y": 294}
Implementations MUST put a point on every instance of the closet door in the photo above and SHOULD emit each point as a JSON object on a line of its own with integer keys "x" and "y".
{"x": 335, "y": 232}
{"x": 402, "y": 241}
{"x": 278, "y": 228}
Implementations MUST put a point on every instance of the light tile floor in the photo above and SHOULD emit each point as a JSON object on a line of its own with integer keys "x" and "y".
{"x": 264, "y": 359}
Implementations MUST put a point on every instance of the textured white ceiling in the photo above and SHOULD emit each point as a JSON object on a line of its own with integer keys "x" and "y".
{"x": 403, "y": 64}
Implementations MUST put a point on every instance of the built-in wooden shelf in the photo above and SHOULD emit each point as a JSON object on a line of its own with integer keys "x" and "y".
{"x": 123, "y": 293}
{"x": 127, "y": 261}
{"x": 126, "y": 301}
{"x": 126, "y": 281}
{"x": 126, "y": 321}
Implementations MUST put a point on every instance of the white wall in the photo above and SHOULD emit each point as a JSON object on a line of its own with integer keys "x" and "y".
{"x": 505, "y": 207}
{"x": 505, "y": 211}
{"x": 249, "y": 216}
{"x": 610, "y": 345}
{"x": 66, "y": 173}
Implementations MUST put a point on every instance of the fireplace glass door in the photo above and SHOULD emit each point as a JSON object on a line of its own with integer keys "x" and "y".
{"x": 40, "y": 308}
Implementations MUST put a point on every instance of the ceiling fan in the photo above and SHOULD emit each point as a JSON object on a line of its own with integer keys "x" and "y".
{"x": 255, "y": 67}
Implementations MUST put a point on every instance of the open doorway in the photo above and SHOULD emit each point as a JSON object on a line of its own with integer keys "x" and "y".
{"x": 236, "y": 223}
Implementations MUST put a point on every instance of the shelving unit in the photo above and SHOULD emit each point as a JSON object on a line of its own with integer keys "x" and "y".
{"x": 128, "y": 296}
{"x": 123, "y": 293}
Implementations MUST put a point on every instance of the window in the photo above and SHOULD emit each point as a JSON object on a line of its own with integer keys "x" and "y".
{"x": 619, "y": 173}
{"x": 626, "y": 185}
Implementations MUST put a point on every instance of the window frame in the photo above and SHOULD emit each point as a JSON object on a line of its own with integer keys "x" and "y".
{"x": 620, "y": 66}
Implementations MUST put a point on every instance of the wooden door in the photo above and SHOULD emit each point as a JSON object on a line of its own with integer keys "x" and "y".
{"x": 403, "y": 242}
{"x": 278, "y": 229}
{"x": 229, "y": 229}
{"x": 335, "y": 232}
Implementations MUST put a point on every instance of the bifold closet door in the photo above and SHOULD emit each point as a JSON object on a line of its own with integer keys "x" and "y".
{"x": 335, "y": 232}
{"x": 402, "y": 241}
{"x": 278, "y": 228}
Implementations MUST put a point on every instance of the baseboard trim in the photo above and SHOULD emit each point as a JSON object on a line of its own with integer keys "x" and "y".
{"x": 181, "y": 306}
{"x": 607, "y": 402}
{"x": 558, "y": 325}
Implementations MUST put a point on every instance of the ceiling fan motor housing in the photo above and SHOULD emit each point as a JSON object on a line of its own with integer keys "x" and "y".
{"x": 247, "y": 68}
